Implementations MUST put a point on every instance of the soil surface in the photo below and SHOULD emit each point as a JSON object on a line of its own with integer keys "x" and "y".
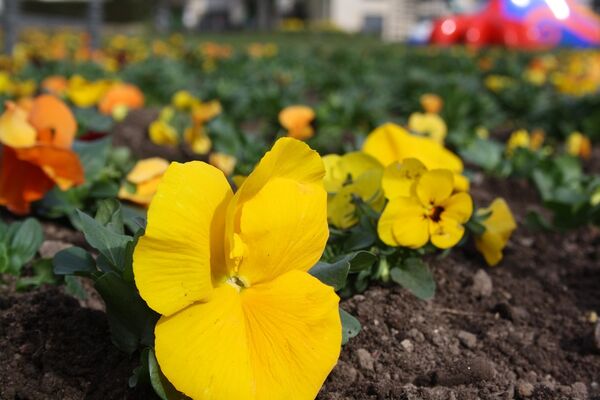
{"x": 521, "y": 330}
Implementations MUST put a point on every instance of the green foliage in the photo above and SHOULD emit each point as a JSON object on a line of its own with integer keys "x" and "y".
{"x": 414, "y": 275}
{"x": 131, "y": 320}
{"x": 19, "y": 242}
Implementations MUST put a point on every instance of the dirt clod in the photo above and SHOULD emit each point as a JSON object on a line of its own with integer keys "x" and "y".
{"x": 482, "y": 284}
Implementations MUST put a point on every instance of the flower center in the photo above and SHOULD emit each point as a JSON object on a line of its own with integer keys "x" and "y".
{"x": 237, "y": 282}
{"x": 436, "y": 213}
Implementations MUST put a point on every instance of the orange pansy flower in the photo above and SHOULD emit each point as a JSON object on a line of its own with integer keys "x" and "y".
{"x": 36, "y": 152}
{"x": 297, "y": 120}
{"x": 121, "y": 94}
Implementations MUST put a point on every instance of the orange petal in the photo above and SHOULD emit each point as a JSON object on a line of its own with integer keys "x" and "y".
{"x": 21, "y": 183}
{"x": 49, "y": 112}
{"x": 121, "y": 94}
{"x": 60, "y": 165}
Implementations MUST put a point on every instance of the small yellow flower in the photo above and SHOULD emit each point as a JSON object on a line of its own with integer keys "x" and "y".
{"x": 431, "y": 103}
{"x": 431, "y": 125}
{"x": 518, "y": 139}
{"x": 497, "y": 83}
{"x": 183, "y": 100}
{"x": 84, "y": 93}
{"x": 499, "y": 226}
{"x": 400, "y": 179}
{"x": 297, "y": 121}
{"x": 163, "y": 134}
{"x": 241, "y": 317}
{"x": 224, "y": 162}
{"x": 203, "y": 112}
{"x": 144, "y": 178}
{"x": 579, "y": 145}
{"x": 391, "y": 143}
{"x": 433, "y": 213}
{"x": 197, "y": 139}
{"x": 354, "y": 174}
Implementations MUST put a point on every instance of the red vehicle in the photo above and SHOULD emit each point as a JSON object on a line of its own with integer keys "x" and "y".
{"x": 522, "y": 24}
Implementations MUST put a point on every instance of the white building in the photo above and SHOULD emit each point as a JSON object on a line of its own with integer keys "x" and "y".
{"x": 393, "y": 19}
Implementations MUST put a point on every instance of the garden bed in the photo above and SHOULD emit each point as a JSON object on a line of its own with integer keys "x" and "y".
{"x": 520, "y": 330}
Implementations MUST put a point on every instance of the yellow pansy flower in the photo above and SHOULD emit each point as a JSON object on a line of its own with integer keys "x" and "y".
{"x": 84, "y": 93}
{"x": 163, "y": 134}
{"x": 183, "y": 100}
{"x": 519, "y": 138}
{"x": 353, "y": 174}
{"x": 499, "y": 226}
{"x": 144, "y": 177}
{"x": 224, "y": 162}
{"x": 15, "y": 129}
{"x": 432, "y": 213}
{"x": 399, "y": 179}
{"x": 579, "y": 145}
{"x": 429, "y": 124}
{"x": 297, "y": 121}
{"x": 203, "y": 112}
{"x": 392, "y": 143}
{"x": 196, "y": 137}
{"x": 241, "y": 317}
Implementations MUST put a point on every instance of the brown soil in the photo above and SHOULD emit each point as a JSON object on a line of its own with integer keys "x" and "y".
{"x": 133, "y": 134}
{"x": 527, "y": 335}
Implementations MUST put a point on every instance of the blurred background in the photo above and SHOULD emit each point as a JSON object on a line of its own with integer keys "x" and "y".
{"x": 392, "y": 20}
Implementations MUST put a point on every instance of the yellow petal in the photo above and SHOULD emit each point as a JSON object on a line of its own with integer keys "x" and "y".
{"x": 435, "y": 187}
{"x": 461, "y": 183}
{"x": 334, "y": 178}
{"x": 203, "y": 350}
{"x": 347, "y": 168}
{"x": 198, "y": 140}
{"x": 341, "y": 210}
{"x": 399, "y": 179}
{"x": 490, "y": 245}
{"x": 15, "y": 131}
{"x": 499, "y": 227}
{"x": 147, "y": 169}
{"x": 294, "y": 334}
{"x": 445, "y": 233}
{"x": 390, "y": 142}
{"x": 279, "y": 214}
{"x": 404, "y": 223}
{"x": 204, "y": 112}
{"x": 428, "y": 124}
{"x": 458, "y": 207}
{"x": 163, "y": 134}
{"x": 224, "y": 162}
{"x": 172, "y": 261}
{"x": 273, "y": 341}
{"x": 144, "y": 192}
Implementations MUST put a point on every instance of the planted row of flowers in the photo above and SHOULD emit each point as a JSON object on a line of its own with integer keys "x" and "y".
{"x": 224, "y": 273}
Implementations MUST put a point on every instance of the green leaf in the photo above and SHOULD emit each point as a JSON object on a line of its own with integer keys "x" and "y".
{"x": 25, "y": 241}
{"x": 73, "y": 260}
{"x": 131, "y": 320}
{"x": 93, "y": 156}
{"x": 350, "y": 326}
{"x": 414, "y": 275}
{"x": 74, "y": 287}
{"x": 336, "y": 274}
{"x": 110, "y": 244}
{"x": 483, "y": 153}
{"x": 109, "y": 214}
{"x": 42, "y": 274}
{"x": 4, "y": 260}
